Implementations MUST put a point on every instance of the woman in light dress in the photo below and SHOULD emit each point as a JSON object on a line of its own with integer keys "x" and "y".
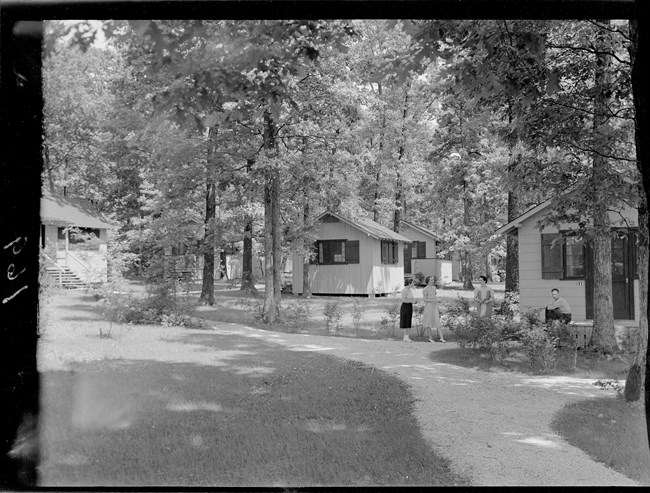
{"x": 430, "y": 315}
{"x": 483, "y": 297}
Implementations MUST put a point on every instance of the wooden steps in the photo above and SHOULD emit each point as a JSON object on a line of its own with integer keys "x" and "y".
{"x": 64, "y": 277}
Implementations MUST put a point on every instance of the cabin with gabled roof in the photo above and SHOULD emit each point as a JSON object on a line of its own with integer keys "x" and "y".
{"x": 352, "y": 257}
{"x": 74, "y": 241}
{"x": 421, "y": 256}
{"x": 553, "y": 258}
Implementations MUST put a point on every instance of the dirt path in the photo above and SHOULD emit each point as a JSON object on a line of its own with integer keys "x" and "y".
{"x": 494, "y": 427}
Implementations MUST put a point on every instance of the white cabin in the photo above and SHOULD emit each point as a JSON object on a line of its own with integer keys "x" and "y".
{"x": 74, "y": 238}
{"x": 353, "y": 257}
{"x": 548, "y": 260}
{"x": 421, "y": 255}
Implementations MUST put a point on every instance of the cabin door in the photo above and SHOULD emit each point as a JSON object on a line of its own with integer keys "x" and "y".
{"x": 623, "y": 262}
{"x": 407, "y": 259}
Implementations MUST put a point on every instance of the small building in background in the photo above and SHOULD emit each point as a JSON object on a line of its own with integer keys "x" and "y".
{"x": 552, "y": 258}
{"x": 420, "y": 257}
{"x": 353, "y": 257}
{"x": 74, "y": 241}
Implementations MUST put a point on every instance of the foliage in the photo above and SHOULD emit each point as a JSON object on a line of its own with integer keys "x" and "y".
{"x": 333, "y": 315}
{"x": 502, "y": 335}
{"x": 297, "y": 314}
{"x": 509, "y": 307}
{"x": 461, "y": 306}
{"x": 418, "y": 311}
{"x": 357, "y": 314}
{"x": 611, "y": 384}
{"x": 161, "y": 306}
{"x": 539, "y": 346}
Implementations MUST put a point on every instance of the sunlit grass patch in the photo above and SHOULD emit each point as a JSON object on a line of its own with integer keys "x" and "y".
{"x": 611, "y": 431}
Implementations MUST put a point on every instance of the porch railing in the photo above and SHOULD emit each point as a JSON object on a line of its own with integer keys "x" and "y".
{"x": 83, "y": 265}
{"x": 56, "y": 266}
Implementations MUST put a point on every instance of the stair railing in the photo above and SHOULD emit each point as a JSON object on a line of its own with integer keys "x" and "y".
{"x": 56, "y": 266}
{"x": 86, "y": 268}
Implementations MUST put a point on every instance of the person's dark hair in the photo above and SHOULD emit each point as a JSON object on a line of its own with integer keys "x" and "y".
{"x": 555, "y": 289}
{"x": 426, "y": 281}
{"x": 483, "y": 277}
{"x": 408, "y": 281}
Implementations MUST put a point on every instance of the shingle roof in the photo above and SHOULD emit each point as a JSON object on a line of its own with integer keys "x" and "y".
{"x": 369, "y": 227}
{"x": 422, "y": 230}
{"x": 66, "y": 211}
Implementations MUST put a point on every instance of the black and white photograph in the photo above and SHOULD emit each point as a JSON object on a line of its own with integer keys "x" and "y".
{"x": 246, "y": 250}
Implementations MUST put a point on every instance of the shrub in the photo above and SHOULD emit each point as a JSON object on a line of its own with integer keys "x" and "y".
{"x": 611, "y": 384}
{"x": 357, "y": 315}
{"x": 332, "y": 314}
{"x": 297, "y": 314}
{"x": 460, "y": 307}
{"x": 509, "y": 307}
{"x": 539, "y": 346}
{"x": 418, "y": 311}
{"x": 392, "y": 315}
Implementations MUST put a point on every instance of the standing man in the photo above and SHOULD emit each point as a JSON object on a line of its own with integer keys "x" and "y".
{"x": 559, "y": 309}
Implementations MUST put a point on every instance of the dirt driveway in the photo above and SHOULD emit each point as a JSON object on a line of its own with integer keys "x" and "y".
{"x": 494, "y": 427}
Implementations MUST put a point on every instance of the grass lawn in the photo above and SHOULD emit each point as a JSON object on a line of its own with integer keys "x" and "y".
{"x": 608, "y": 430}
{"x": 170, "y": 406}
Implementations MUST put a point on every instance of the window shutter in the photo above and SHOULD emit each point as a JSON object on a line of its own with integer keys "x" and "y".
{"x": 422, "y": 249}
{"x": 551, "y": 257}
{"x": 352, "y": 252}
{"x": 384, "y": 252}
{"x": 394, "y": 247}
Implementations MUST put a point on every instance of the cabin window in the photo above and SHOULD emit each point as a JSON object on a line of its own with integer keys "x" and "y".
{"x": 419, "y": 249}
{"x": 562, "y": 258}
{"x": 337, "y": 252}
{"x": 389, "y": 252}
{"x": 79, "y": 238}
{"x": 574, "y": 259}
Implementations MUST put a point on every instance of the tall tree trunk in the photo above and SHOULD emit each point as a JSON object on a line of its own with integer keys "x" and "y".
{"x": 639, "y": 50}
{"x": 399, "y": 186}
{"x": 375, "y": 205}
{"x": 512, "y": 240}
{"x": 223, "y": 264}
{"x": 271, "y": 309}
{"x": 207, "y": 288}
{"x": 467, "y": 265}
{"x": 247, "y": 281}
{"x": 306, "y": 286}
{"x": 634, "y": 380}
{"x": 603, "y": 338}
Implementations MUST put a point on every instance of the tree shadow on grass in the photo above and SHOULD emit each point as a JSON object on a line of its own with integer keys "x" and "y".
{"x": 260, "y": 416}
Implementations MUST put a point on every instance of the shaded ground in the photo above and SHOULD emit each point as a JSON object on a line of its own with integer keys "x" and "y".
{"x": 170, "y": 406}
{"x": 607, "y": 429}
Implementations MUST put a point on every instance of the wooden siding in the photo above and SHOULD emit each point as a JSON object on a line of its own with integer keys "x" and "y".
{"x": 368, "y": 277}
{"x": 442, "y": 269}
{"x": 415, "y": 235}
{"x": 535, "y": 292}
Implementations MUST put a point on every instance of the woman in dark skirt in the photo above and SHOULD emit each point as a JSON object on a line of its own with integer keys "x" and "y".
{"x": 406, "y": 310}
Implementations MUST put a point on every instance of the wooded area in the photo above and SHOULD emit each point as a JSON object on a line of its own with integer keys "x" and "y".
{"x": 198, "y": 134}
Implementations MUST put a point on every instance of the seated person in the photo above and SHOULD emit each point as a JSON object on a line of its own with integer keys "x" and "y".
{"x": 559, "y": 309}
